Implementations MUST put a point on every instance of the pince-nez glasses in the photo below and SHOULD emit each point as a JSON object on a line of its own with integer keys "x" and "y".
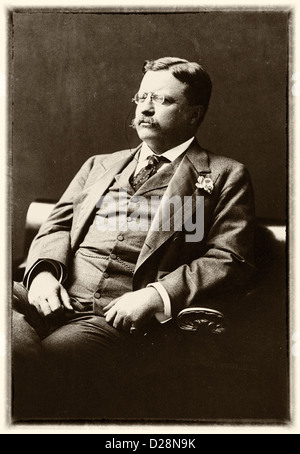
{"x": 155, "y": 98}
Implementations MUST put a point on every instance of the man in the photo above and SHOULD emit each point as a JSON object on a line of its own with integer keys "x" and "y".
{"x": 95, "y": 274}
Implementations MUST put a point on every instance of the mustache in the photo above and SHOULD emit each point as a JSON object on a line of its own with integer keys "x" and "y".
{"x": 142, "y": 119}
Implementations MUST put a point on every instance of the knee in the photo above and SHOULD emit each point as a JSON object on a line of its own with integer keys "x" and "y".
{"x": 19, "y": 297}
{"x": 25, "y": 342}
{"x": 60, "y": 352}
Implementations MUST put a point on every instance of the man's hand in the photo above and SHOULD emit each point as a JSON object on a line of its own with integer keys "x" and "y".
{"x": 133, "y": 309}
{"x": 47, "y": 295}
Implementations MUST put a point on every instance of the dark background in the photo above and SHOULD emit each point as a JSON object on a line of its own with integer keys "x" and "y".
{"x": 74, "y": 73}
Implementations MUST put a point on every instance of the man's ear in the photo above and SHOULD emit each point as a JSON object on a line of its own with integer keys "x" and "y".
{"x": 197, "y": 114}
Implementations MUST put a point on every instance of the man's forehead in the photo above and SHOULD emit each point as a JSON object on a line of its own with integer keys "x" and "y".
{"x": 163, "y": 81}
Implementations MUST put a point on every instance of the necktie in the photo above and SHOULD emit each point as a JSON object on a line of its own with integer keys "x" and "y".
{"x": 146, "y": 172}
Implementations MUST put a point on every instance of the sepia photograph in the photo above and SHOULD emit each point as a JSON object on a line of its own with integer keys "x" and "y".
{"x": 149, "y": 153}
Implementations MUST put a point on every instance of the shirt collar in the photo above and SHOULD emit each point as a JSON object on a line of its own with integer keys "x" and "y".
{"x": 171, "y": 154}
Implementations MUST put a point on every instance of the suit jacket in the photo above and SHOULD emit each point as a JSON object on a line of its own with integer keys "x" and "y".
{"x": 206, "y": 273}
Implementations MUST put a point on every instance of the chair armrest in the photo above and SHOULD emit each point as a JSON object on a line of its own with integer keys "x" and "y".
{"x": 201, "y": 319}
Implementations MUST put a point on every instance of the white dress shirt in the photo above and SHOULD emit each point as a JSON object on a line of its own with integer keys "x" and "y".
{"x": 171, "y": 154}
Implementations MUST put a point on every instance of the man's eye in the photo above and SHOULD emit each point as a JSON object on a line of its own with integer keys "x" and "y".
{"x": 158, "y": 98}
{"x": 168, "y": 100}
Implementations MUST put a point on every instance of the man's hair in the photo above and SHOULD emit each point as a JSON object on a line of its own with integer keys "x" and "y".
{"x": 192, "y": 74}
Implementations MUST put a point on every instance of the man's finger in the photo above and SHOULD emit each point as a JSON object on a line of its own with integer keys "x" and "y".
{"x": 110, "y": 305}
{"x": 110, "y": 315}
{"x": 54, "y": 302}
{"x": 36, "y": 303}
{"x": 44, "y": 308}
{"x": 118, "y": 321}
{"x": 66, "y": 301}
{"x": 128, "y": 325}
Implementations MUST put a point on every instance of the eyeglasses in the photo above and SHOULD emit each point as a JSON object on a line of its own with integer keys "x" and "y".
{"x": 155, "y": 98}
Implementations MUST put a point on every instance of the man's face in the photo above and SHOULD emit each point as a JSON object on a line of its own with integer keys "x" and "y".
{"x": 164, "y": 126}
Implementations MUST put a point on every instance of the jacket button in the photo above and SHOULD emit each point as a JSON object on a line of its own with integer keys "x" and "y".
{"x": 120, "y": 237}
{"x": 113, "y": 256}
{"x": 97, "y": 295}
{"x": 106, "y": 275}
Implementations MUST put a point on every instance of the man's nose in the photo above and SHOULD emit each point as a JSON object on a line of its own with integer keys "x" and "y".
{"x": 147, "y": 106}
{"x": 147, "y": 109}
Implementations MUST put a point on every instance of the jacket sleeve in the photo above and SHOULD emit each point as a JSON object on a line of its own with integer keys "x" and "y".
{"x": 214, "y": 279}
{"x": 53, "y": 239}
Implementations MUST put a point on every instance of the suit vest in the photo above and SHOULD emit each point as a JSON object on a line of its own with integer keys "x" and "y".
{"x": 104, "y": 263}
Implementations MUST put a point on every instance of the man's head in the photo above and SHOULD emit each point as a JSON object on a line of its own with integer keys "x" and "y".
{"x": 171, "y": 102}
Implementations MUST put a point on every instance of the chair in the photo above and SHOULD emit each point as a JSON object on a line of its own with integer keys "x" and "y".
{"x": 241, "y": 373}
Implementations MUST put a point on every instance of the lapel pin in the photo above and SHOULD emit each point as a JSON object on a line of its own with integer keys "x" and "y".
{"x": 205, "y": 183}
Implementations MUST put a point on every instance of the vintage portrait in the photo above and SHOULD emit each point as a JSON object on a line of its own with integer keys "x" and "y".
{"x": 149, "y": 211}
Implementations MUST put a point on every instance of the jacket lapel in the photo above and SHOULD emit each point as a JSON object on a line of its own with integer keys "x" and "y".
{"x": 90, "y": 196}
{"x": 194, "y": 163}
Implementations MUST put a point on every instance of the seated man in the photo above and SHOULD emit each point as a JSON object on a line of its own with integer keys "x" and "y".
{"x": 137, "y": 236}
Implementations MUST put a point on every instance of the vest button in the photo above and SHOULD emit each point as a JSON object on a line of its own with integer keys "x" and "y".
{"x": 106, "y": 275}
{"x": 120, "y": 237}
{"x": 129, "y": 219}
{"x": 113, "y": 256}
{"x": 97, "y": 295}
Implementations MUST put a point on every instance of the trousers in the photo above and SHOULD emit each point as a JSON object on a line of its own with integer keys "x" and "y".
{"x": 67, "y": 367}
{"x": 78, "y": 366}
